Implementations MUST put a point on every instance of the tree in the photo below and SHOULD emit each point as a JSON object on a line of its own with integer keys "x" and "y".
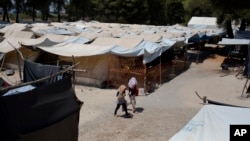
{"x": 175, "y": 12}
{"x": 17, "y": 5}
{"x": 156, "y": 12}
{"x": 5, "y": 4}
{"x": 59, "y": 6}
{"x": 226, "y": 13}
{"x": 30, "y": 8}
{"x": 133, "y": 11}
{"x": 44, "y": 8}
{"x": 97, "y": 9}
{"x": 197, "y": 8}
{"x": 78, "y": 9}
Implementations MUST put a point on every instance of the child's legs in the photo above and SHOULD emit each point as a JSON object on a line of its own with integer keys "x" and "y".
{"x": 124, "y": 106}
{"x": 117, "y": 107}
{"x": 132, "y": 100}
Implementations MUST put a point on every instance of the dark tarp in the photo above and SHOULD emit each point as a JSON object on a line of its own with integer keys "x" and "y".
{"x": 33, "y": 71}
{"x": 49, "y": 112}
{"x": 242, "y": 34}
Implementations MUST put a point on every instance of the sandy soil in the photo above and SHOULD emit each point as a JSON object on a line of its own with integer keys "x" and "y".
{"x": 163, "y": 112}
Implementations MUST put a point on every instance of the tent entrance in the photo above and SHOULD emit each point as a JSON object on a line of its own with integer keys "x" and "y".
{"x": 121, "y": 69}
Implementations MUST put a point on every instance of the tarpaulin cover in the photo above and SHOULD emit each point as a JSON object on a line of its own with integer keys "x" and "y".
{"x": 33, "y": 71}
{"x": 212, "y": 123}
{"x": 49, "y": 112}
{"x": 203, "y": 22}
{"x": 242, "y": 34}
{"x": 226, "y": 41}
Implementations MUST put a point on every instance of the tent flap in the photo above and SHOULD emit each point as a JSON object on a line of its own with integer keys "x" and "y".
{"x": 212, "y": 123}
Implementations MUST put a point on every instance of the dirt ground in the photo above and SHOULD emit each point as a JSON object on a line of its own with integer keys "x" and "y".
{"x": 163, "y": 112}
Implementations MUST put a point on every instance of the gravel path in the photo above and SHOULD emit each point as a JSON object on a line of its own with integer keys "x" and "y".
{"x": 162, "y": 113}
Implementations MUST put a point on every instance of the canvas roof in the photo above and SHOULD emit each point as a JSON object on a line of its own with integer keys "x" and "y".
{"x": 122, "y": 42}
{"x": 226, "y": 41}
{"x": 18, "y": 34}
{"x": 13, "y": 27}
{"x": 202, "y": 22}
{"x": 124, "y": 39}
{"x": 37, "y": 41}
{"x": 9, "y": 44}
{"x": 212, "y": 123}
{"x": 77, "y": 50}
{"x": 119, "y": 46}
{"x": 13, "y": 40}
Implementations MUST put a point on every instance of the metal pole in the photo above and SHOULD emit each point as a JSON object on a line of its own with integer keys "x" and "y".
{"x": 248, "y": 65}
{"x": 160, "y": 72}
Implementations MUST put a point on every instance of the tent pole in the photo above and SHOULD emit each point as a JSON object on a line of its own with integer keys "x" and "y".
{"x": 145, "y": 79}
{"x": 73, "y": 63}
{"x": 248, "y": 74}
{"x": 19, "y": 54}
{"x": 160, "y": 71}
{"x": 19, "y": 65}
{"x": 109, "y": 66}
{"x": 197, "y": 58}
{"x": 2, "y": 63}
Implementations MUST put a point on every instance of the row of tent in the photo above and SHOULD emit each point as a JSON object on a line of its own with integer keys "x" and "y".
{"x": 92, "y": 42}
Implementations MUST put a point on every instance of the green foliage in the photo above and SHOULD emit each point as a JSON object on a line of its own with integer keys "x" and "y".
{"x": 200, "y": 8}
{"x": 155, "y": 12}
{"x": 78, "y": 9}
{"x": 229, "y": 10}
{"x": 175, "y": 12}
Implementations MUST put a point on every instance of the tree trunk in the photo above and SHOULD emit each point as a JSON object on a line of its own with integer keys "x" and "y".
{"x": 59, "y": 15}
{"x": 33, "y": 14}
{"x": 58, "y": 11}
{"x": 242, "y": 25}
{"x": 229, "y": 29}
{"x": 17, "y": 17}
{"x": 5, "y": 15}
{"x": 17, "y": 11}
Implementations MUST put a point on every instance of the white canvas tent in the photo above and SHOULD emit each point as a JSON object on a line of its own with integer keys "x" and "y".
{"x": 226, "y": 41}
{"x": 13, "y": 27}
{"x": 64, "y": 40}
{"x": 212, "y": 123}
{"x": 96, "y": 55}
{"x": 135, "y": 47}
{"x": 203, "y": 22}
{"x": 11, "y": 42}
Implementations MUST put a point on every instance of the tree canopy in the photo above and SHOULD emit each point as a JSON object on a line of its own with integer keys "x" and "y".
{"x": 155, "y": 12}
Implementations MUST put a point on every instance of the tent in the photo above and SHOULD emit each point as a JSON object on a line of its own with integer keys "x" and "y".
{"x": 202, "y": 22}
{"x": 226, "y": 41}
{"x": 11, "y": 44}
{"x": 93, "y": 67}
{"x": 212, "y": 123}
{"x": 95, "y": 58}
{"x": 37, "y": 113}
{"x": 97, "y": 45}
